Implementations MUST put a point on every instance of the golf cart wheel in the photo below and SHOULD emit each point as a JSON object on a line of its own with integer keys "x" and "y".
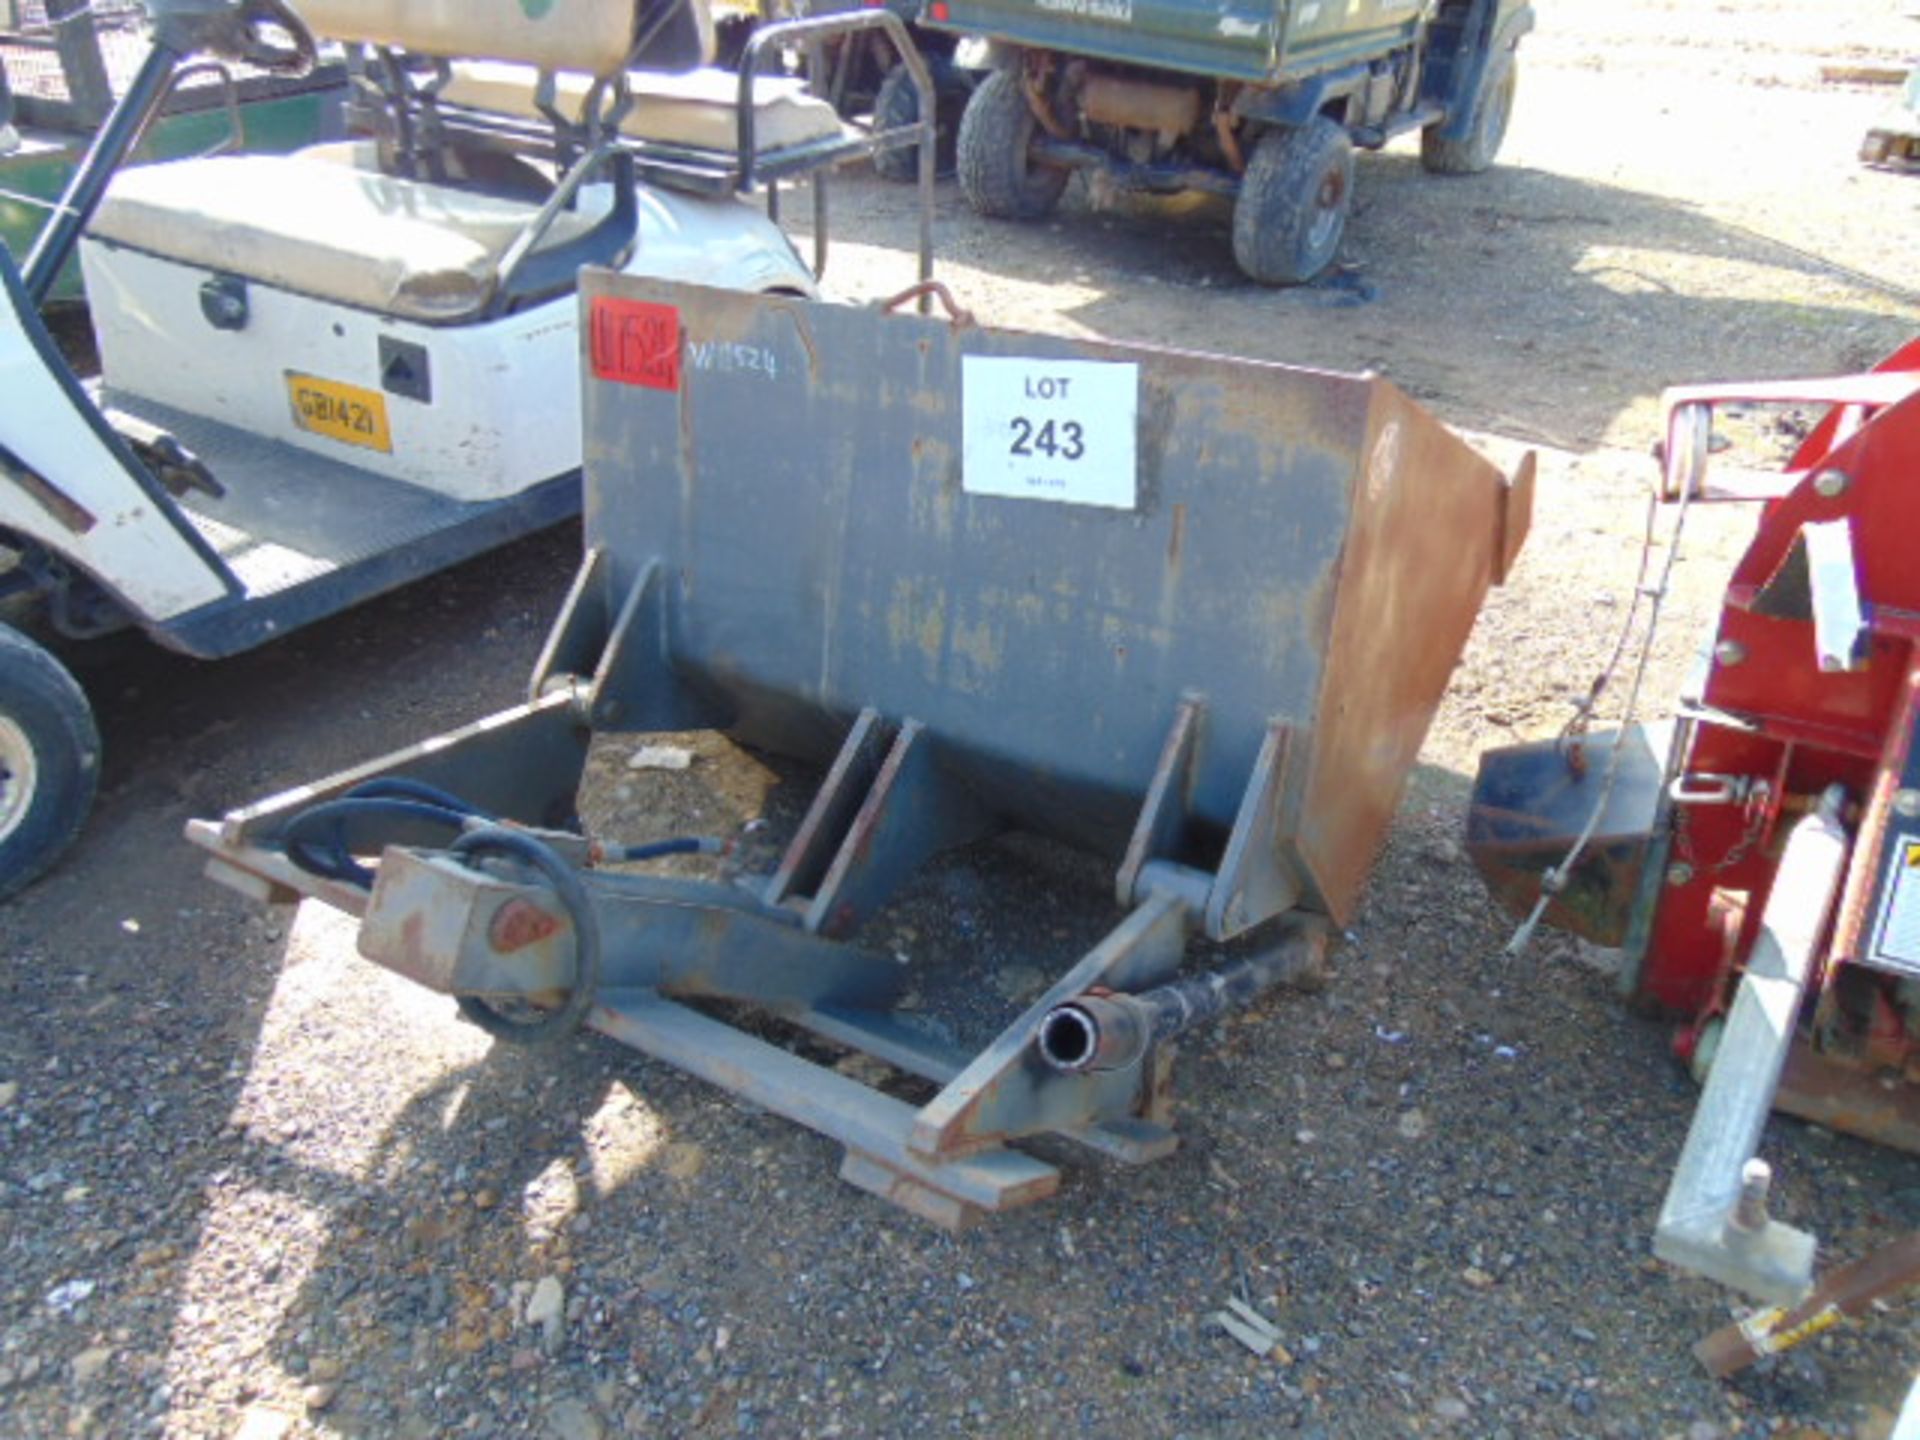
{"x": 1293, "y": 203}
{"x": 49, "y": 760}
{"x": 996, "y": 138}
{"x": 1490, "y": 116}
{"x": 897, "y": 103}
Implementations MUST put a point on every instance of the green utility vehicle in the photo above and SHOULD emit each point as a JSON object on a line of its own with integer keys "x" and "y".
{"x": 1261, "y": 100}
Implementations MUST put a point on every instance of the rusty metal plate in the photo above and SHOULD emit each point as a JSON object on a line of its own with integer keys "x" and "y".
{"x": 1300, "y": 548}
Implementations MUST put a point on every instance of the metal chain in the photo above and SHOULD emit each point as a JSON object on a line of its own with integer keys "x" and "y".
{"x": 1756, "y": 808}
{"x": 1738, "y": 851}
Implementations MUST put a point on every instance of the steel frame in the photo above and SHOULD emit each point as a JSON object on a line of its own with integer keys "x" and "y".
{"x": 884, "y": 808}
{"x": 1335, "y": 544}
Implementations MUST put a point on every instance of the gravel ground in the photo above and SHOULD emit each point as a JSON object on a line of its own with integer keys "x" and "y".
{"x": 251, "y": 1186}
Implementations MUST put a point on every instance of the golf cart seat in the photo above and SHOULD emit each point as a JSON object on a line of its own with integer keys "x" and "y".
{"x": 598, "y": 37}
{"x": 404, "y": 303}
{"x": 697, "y": 110}
{"x": 326, "y": 223}
{"x": 337, "y": 224}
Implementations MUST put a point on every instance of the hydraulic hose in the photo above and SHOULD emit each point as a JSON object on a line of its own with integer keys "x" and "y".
{"x": 657, "y": 849}
{"x": 316, "y": 838}
{"x": 571, "y": 1014}
{"x": 316, "y": 841}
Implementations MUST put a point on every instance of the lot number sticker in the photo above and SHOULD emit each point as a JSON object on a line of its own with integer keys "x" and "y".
{"x": 1061, "y": 430}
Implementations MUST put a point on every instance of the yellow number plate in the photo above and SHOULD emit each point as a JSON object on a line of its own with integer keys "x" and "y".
{"x": 345, "y": 413}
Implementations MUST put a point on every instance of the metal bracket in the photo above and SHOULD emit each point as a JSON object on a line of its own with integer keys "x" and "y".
{"x": 1167, "y": 809}
{"x": 522, "y": 764}
{"x": 1255, "y": 883}
{"x": 911, "y": 814}
{"x": 810, "y": 854}
{"x": 885, "y": 809}
{"x": 615, "y": 659}
{"x": 577, "y": 639}
{"x": 1006, "y": 1092}
{"x": 1840, "y": 631}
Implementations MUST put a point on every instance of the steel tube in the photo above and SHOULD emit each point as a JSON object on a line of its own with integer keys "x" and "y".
{"x": 1110, "y": 1032}
{"x": 121, "y": 132}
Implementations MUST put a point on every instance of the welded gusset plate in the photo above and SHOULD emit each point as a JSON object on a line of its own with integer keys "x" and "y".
{"x": 522, "y": 764}
{"x": 1038, "y": 546}
{"x": 1531, "y": 802}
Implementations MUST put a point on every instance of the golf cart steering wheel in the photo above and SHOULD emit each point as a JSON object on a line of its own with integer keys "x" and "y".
{"x": 250, "y": 43}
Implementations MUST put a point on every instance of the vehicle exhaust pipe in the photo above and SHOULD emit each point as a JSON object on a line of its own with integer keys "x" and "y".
{"x": 1106, "y": 1031}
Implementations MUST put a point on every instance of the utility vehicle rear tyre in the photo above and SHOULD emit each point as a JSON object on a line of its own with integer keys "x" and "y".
{"x": 1293, "y": 203}
{"x": 1490, "y": 116}
{"x": 49, "y": 760}
{"x": 996, "y": 136}
{"x": 898, "y": 103}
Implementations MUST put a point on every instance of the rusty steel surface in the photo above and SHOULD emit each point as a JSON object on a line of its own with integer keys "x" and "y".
{"x": 1303, "y": 548}
{"x": 1828, "y": 1091}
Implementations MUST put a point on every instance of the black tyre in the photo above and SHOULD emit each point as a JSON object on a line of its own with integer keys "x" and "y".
{"x": 996, "y": 137}
{"x": 1491, "y": 112}
{"x": 895, "y": 104}
{"x": 49, "y": 760}
{"x": 1293, "y": 203}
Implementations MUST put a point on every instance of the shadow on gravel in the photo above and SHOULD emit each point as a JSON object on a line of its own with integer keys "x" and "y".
{"x": 1437, "y": 1178}
{"x": 132, "y": 989}
{"x": 1524, "y": 294}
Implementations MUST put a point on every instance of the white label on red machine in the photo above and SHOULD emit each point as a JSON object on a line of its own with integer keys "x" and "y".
{"x": 1060, "y": 430}
{"x": 1898, "y": 944}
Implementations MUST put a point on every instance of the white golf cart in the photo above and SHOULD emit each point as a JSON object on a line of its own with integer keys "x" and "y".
{"x": 328, "y": 373}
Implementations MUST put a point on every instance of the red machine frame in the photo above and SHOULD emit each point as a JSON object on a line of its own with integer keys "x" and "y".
{"x": 1763, "y": 878}
{"x": 1776, "y": 723}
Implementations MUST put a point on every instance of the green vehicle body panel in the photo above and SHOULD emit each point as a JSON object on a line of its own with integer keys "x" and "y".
{"x": 1261, "y": 43}
{"x": 42, "y": 168}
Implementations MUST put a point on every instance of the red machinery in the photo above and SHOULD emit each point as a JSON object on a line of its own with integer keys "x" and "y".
{"x": 1761, "y": 869}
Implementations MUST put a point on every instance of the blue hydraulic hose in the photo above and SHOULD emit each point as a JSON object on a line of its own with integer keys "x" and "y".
{"x": 397, "y": 797}
{"x": 654, "y": 850}
{"x": 399, "y": 787}
{"x": 327, "y": 856}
